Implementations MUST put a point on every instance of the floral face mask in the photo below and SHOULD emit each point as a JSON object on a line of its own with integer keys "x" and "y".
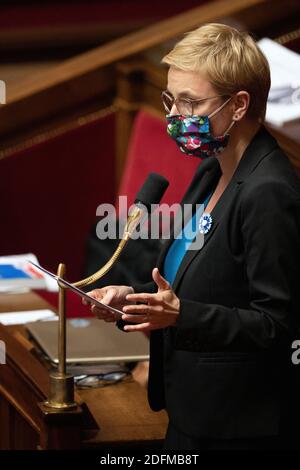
{"x": 193, "y": 136}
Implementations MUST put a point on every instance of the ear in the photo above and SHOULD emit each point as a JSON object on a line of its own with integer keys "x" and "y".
{"x": 240, "y": 105}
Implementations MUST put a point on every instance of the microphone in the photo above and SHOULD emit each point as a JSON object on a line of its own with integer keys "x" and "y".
{"x": 149, "y": 194}
{"x": 152, "y": 190}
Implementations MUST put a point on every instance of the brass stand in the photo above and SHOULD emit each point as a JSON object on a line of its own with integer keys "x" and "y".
{"x": 61, "y": 384}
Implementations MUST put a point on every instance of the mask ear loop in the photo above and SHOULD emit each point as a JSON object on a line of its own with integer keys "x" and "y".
{"x": 229, "y": 127}
{"x": 219, "y": 108}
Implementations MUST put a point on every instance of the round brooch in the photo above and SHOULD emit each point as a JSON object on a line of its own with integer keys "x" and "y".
{"x": 205, "y": 223}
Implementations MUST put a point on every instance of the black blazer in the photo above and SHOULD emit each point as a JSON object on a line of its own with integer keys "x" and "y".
{"x": 225, "y": 370}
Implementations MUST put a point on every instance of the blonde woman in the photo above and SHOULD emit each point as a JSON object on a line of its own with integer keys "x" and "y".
{"x": 223, "y": 317}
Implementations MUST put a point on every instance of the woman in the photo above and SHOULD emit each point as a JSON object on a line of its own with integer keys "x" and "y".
{"x": 223, "y": 317}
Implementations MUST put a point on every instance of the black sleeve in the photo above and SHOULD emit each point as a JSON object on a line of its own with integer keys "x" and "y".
{"x": 270, "y": 230}
{"x": 148, "y": 287}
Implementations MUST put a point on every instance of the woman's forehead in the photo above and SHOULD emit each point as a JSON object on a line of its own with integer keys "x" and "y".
{"x": 185, "y": 82}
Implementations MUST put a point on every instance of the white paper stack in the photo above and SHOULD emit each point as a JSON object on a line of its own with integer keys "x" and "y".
{"x": 284, "y": 97}
{"x": 20, "y": 318}
{"x": 18, "y": 275}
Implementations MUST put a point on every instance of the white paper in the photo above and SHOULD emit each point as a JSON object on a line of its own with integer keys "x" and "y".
{"x": 20, "y": 318}
{"x": 285, "y": 73}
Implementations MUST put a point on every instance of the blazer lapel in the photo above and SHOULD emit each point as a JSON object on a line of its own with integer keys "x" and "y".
{"x": 201, "y": 185}
{"x": 217, "y": 213}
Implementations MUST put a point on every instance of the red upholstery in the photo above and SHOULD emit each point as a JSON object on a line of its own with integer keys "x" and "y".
{"x": 49, "y": 194}
{"x": 152, "y": 150}
{"x": 48, "y": 199}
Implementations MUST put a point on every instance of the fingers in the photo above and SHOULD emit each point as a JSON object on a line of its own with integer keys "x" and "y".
{"x": 97, "y": 294}
{"x": 141, "y": 327}
{"x": 144, "y": 297}
{"x": 142, "y": 308}
{"x": 105, "y": 296}
{"x": 103, "y": 314}
{"x": 135, "y": 318}
{"x": 161, "y": 282}
{"x": 109, "y": 296}
{"x": 141, "y": 313}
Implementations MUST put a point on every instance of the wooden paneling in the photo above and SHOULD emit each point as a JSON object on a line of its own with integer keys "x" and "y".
{"x": 64, "y": 26}
{"x": 15, "y": 432}
{"x": 86, "y": 83}
{"x": 89, "y": 75}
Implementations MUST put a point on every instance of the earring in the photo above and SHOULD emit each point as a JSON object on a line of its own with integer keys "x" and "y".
{"x": 235, "y": 117}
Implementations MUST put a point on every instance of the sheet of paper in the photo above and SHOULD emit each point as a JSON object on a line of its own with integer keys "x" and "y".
{"x": 80, "y": 292}
{"x": 285, "y": 75}
{"x": 20, "y": 318}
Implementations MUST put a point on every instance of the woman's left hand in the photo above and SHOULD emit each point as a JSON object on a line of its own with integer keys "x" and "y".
{"x": 161, "y": 309}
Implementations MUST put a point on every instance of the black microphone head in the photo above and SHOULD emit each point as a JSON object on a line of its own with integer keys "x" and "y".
{"x": 152, "y": 190}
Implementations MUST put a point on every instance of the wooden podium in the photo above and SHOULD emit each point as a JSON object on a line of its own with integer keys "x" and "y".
{"x": 113, "y": 417}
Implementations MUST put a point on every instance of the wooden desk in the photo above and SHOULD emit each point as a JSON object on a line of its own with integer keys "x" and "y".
{"x": 121, "y": 411}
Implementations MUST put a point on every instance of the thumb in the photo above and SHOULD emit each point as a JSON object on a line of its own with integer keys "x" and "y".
{"x": 109, "y": 295}
{"x": 160, "y": 281}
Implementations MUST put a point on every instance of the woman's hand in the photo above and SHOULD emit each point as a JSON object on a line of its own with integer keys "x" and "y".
{"x": 161, "y": 310}
{"x": 110, "y": 295}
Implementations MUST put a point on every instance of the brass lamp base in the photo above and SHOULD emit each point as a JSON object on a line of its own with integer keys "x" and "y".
{"x": 61, "y": 392}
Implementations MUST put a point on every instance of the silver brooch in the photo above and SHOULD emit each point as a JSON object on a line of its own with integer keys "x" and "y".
{"x": 205, "y": 223}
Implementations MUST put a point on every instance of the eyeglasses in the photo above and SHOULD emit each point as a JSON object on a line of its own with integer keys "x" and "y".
{"x": 101, "y": 380}
{"x": 185, "y": 106}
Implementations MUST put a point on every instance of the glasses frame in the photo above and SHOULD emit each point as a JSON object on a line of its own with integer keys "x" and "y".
{"x": 100, "y": 380}
{"x": 187, "y": 100}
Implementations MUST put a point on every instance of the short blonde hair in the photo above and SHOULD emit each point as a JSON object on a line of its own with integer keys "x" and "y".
{"x": 231, "y": 61}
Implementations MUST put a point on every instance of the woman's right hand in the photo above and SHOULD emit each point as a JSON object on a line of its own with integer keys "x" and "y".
{"x": 110, "y": 295}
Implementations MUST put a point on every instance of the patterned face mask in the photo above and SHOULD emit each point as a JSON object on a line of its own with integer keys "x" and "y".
{"x": 193, "y": 136}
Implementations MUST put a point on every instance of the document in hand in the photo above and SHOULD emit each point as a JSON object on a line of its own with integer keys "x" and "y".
{"x": 79, "y": 292}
